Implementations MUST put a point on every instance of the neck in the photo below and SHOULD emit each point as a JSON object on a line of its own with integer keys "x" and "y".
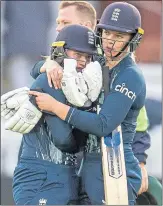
{"x": 111, "y": 64}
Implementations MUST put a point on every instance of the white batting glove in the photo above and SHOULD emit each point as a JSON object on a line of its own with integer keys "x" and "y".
{"x": 25, "y": 119}
{"x": 11, "y": 101}
{"x": 93, "y": 76}
{"x": 81, "y": 83}
{"x": 70, "y": 67}
{"x": 73, "y": 84}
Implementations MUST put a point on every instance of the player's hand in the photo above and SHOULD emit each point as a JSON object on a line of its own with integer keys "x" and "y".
{"x": 73, "y": 84}
{"x": 54, "y": 72}
{"x": 93, "y": 76}
{"x": 11, "y": 101}
{"x": 144, "y": 183}
{"x": 44, "y": 101}
{"x": 25, "y": 119}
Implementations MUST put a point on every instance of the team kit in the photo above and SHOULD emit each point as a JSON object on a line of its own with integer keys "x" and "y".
{"x": 84, "y": 115}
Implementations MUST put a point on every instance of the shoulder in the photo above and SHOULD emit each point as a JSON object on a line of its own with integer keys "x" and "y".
{"x": 100, "y": 59}
{"x": 129, "y": 80}
{"x": 42, "y": 77}
{"x": 131, "y": 72}
{"x": 42, "y": 81}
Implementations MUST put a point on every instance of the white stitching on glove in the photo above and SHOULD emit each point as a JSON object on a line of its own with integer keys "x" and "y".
{"x": 93, "y": 76}
{"x": 73, "y": 84}
{"x": 25, "y": 119}
{"x": 11, "y": 101}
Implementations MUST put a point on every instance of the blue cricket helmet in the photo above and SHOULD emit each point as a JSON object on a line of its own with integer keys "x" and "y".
{"x": 78, "y": 38}
{"x": 122, "y": 17}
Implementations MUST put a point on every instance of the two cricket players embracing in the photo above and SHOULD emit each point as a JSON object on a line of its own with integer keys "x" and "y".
{"x": 60, "y": 158}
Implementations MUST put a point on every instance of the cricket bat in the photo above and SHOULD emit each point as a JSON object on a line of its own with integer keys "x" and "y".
{"x": 114, "y": 171}
{"x": 113, "y": 162}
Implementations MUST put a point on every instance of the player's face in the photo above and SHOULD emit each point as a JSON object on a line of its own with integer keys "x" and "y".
{"x": 82, "y": 58}
{"x": 67, "y": 16}
{"x": 113, "y": 42}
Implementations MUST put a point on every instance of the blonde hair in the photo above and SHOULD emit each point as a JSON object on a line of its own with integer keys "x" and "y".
{"x": 83, "y": 7}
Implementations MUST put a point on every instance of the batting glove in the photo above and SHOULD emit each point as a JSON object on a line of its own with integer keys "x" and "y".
{"x": 25, "y": 119}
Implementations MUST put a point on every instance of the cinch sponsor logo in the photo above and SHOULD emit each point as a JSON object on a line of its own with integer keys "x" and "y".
{"x": 125, "y": 91}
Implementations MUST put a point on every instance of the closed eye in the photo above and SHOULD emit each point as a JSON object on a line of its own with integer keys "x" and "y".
{"x": 119, "y": 36}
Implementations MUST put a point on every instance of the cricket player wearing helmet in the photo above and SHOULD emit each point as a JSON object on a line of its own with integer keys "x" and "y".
{"x": 142, "y": 125}
{"x": 67, "y": 10}
{"x": 44, "y": 172}
{"x": 121, "y": 32}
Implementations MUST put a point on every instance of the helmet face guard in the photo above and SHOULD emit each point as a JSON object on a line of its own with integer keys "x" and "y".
{"x": 121, "y": 17}
{"x": 58, "y": 53}
{"x": 77, "y": 38}
{"x": 127, "y": 46}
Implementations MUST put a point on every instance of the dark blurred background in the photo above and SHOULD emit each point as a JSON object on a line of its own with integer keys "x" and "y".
{"x": 28, "y": 29}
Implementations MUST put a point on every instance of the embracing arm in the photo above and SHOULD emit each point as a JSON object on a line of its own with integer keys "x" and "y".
{"x": 60, "y": 130}
{"x": 35, "y": 72}
{"x": 52, "y": 68}
{"x": 141, "y": 142}
{"x": 112, "y": 113}
{"x": 142, "y": 139}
